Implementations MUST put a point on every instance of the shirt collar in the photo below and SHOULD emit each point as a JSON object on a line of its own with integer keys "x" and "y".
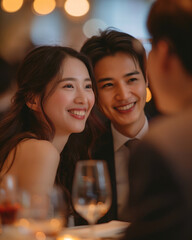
{"x": 120, "y": 139}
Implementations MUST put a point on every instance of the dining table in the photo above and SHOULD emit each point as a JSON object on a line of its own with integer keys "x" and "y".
{"x": 112, "y": 230}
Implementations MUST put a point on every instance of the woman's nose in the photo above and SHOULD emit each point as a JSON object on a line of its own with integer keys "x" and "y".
{"x": 81, "y": 97}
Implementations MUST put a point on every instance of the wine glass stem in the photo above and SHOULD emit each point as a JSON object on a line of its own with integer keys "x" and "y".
{"x": 92, "y": 231}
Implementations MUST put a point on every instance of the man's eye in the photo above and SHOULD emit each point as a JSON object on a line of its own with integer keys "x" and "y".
{"x": 132, "y": 79}
{"x": 107, "y": 85}
{"x": 68, "y": 86}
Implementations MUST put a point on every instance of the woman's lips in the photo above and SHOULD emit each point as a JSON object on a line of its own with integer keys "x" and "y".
{"x": 77, "y": 113}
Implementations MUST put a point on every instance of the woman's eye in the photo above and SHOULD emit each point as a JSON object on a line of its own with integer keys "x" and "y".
{"x": 68, "y": 86}
{"x": 89, "y": 86}
{"x": 107, "y": 85}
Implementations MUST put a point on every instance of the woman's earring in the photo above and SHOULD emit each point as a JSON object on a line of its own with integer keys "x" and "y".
{"x": 149, "y": 95}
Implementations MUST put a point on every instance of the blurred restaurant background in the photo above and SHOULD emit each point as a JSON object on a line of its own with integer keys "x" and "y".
{"x": 69, "y": 22}
{"x": 25, "y": 24}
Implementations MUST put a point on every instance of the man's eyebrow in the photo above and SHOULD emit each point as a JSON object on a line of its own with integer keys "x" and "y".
{"x": 104, "y": 79}
{"x": 131, "y": 73}
{"x": 126, "y": 75}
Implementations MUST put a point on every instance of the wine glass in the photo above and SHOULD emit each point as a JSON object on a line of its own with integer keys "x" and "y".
{"x": 91, "y": 193}
{"x": 42, "y": 214}
{"x": 9, "y": 204}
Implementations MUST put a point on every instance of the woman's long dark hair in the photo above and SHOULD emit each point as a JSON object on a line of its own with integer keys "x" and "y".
{"x": 39, "y": 67}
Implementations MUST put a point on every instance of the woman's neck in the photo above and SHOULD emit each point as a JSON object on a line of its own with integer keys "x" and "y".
{"x": 60, "y": 141}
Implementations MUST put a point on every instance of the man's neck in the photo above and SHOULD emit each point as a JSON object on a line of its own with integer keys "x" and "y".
{"x": 131, "y": 130}
{"x": 119, "y": 139}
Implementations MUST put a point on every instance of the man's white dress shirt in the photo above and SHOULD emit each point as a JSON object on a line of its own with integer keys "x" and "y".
{"x": 121, "y": 154}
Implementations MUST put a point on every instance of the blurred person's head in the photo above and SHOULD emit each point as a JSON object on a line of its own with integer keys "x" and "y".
{"x": 119, "y": 63}
{"x": 170, "y": 60}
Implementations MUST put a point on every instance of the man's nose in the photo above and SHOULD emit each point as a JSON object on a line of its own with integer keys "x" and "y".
{"x": 122, "y": 92}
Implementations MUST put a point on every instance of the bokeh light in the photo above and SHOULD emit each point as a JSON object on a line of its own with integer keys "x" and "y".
{"x": 43, "y": 7}
{"x": 149, "y": 95}
{"x": 40, "y": 236}
{"x": 92, "y": 27}
{"x": 11, "y": 5}
{"x": 76, "y": 8}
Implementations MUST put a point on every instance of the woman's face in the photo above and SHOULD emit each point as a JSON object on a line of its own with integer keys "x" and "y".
{"x": 69, "y": 106}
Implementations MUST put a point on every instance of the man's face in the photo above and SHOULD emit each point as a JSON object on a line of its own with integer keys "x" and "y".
{"x": 121, "y": 91}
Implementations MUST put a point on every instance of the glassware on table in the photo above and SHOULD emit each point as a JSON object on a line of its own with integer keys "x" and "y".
{"x": 9, "y": 202}
{"x": 91, "y": 193}
{"x": 41, "y": 214}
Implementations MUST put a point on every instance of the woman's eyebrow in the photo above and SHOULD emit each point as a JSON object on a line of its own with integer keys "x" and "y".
{"x": 67, "y": 79}
{"x": 72, "y": 79}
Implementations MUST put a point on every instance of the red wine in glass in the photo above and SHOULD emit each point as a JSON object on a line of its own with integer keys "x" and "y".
{"x": 8, "y": 212}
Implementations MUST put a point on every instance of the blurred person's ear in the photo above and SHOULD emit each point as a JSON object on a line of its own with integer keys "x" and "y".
{"x": 168, "y": 60}
{"x": 163, "y": 54}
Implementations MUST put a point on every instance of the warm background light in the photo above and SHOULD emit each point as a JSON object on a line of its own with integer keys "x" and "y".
{"x": 67, "y": 237}
{"x": 76, "y": 8}
{"x": 44, "y": 6}
{"x": 11, "y": 5}
{"x": 92, "y": 27}
{"x": 40, "y": 236}
{"x": 149, "y": 95}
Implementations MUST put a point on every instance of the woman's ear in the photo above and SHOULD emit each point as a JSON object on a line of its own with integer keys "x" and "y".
{"x": 34, "y": 103}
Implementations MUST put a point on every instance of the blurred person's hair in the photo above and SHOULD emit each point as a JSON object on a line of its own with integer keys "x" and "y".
{"x": 171, "y": 21}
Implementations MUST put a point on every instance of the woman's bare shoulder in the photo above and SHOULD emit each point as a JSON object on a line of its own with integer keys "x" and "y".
{"x": 36, "y": 146}
{"x": 34, "y": 152}
{"x": 35, "y": 164}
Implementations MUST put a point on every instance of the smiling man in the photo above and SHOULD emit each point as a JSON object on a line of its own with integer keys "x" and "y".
{"x": 118, "y": 61}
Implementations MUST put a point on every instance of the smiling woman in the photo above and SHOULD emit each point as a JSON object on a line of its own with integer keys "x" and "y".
{"x": 54, "y": 99}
